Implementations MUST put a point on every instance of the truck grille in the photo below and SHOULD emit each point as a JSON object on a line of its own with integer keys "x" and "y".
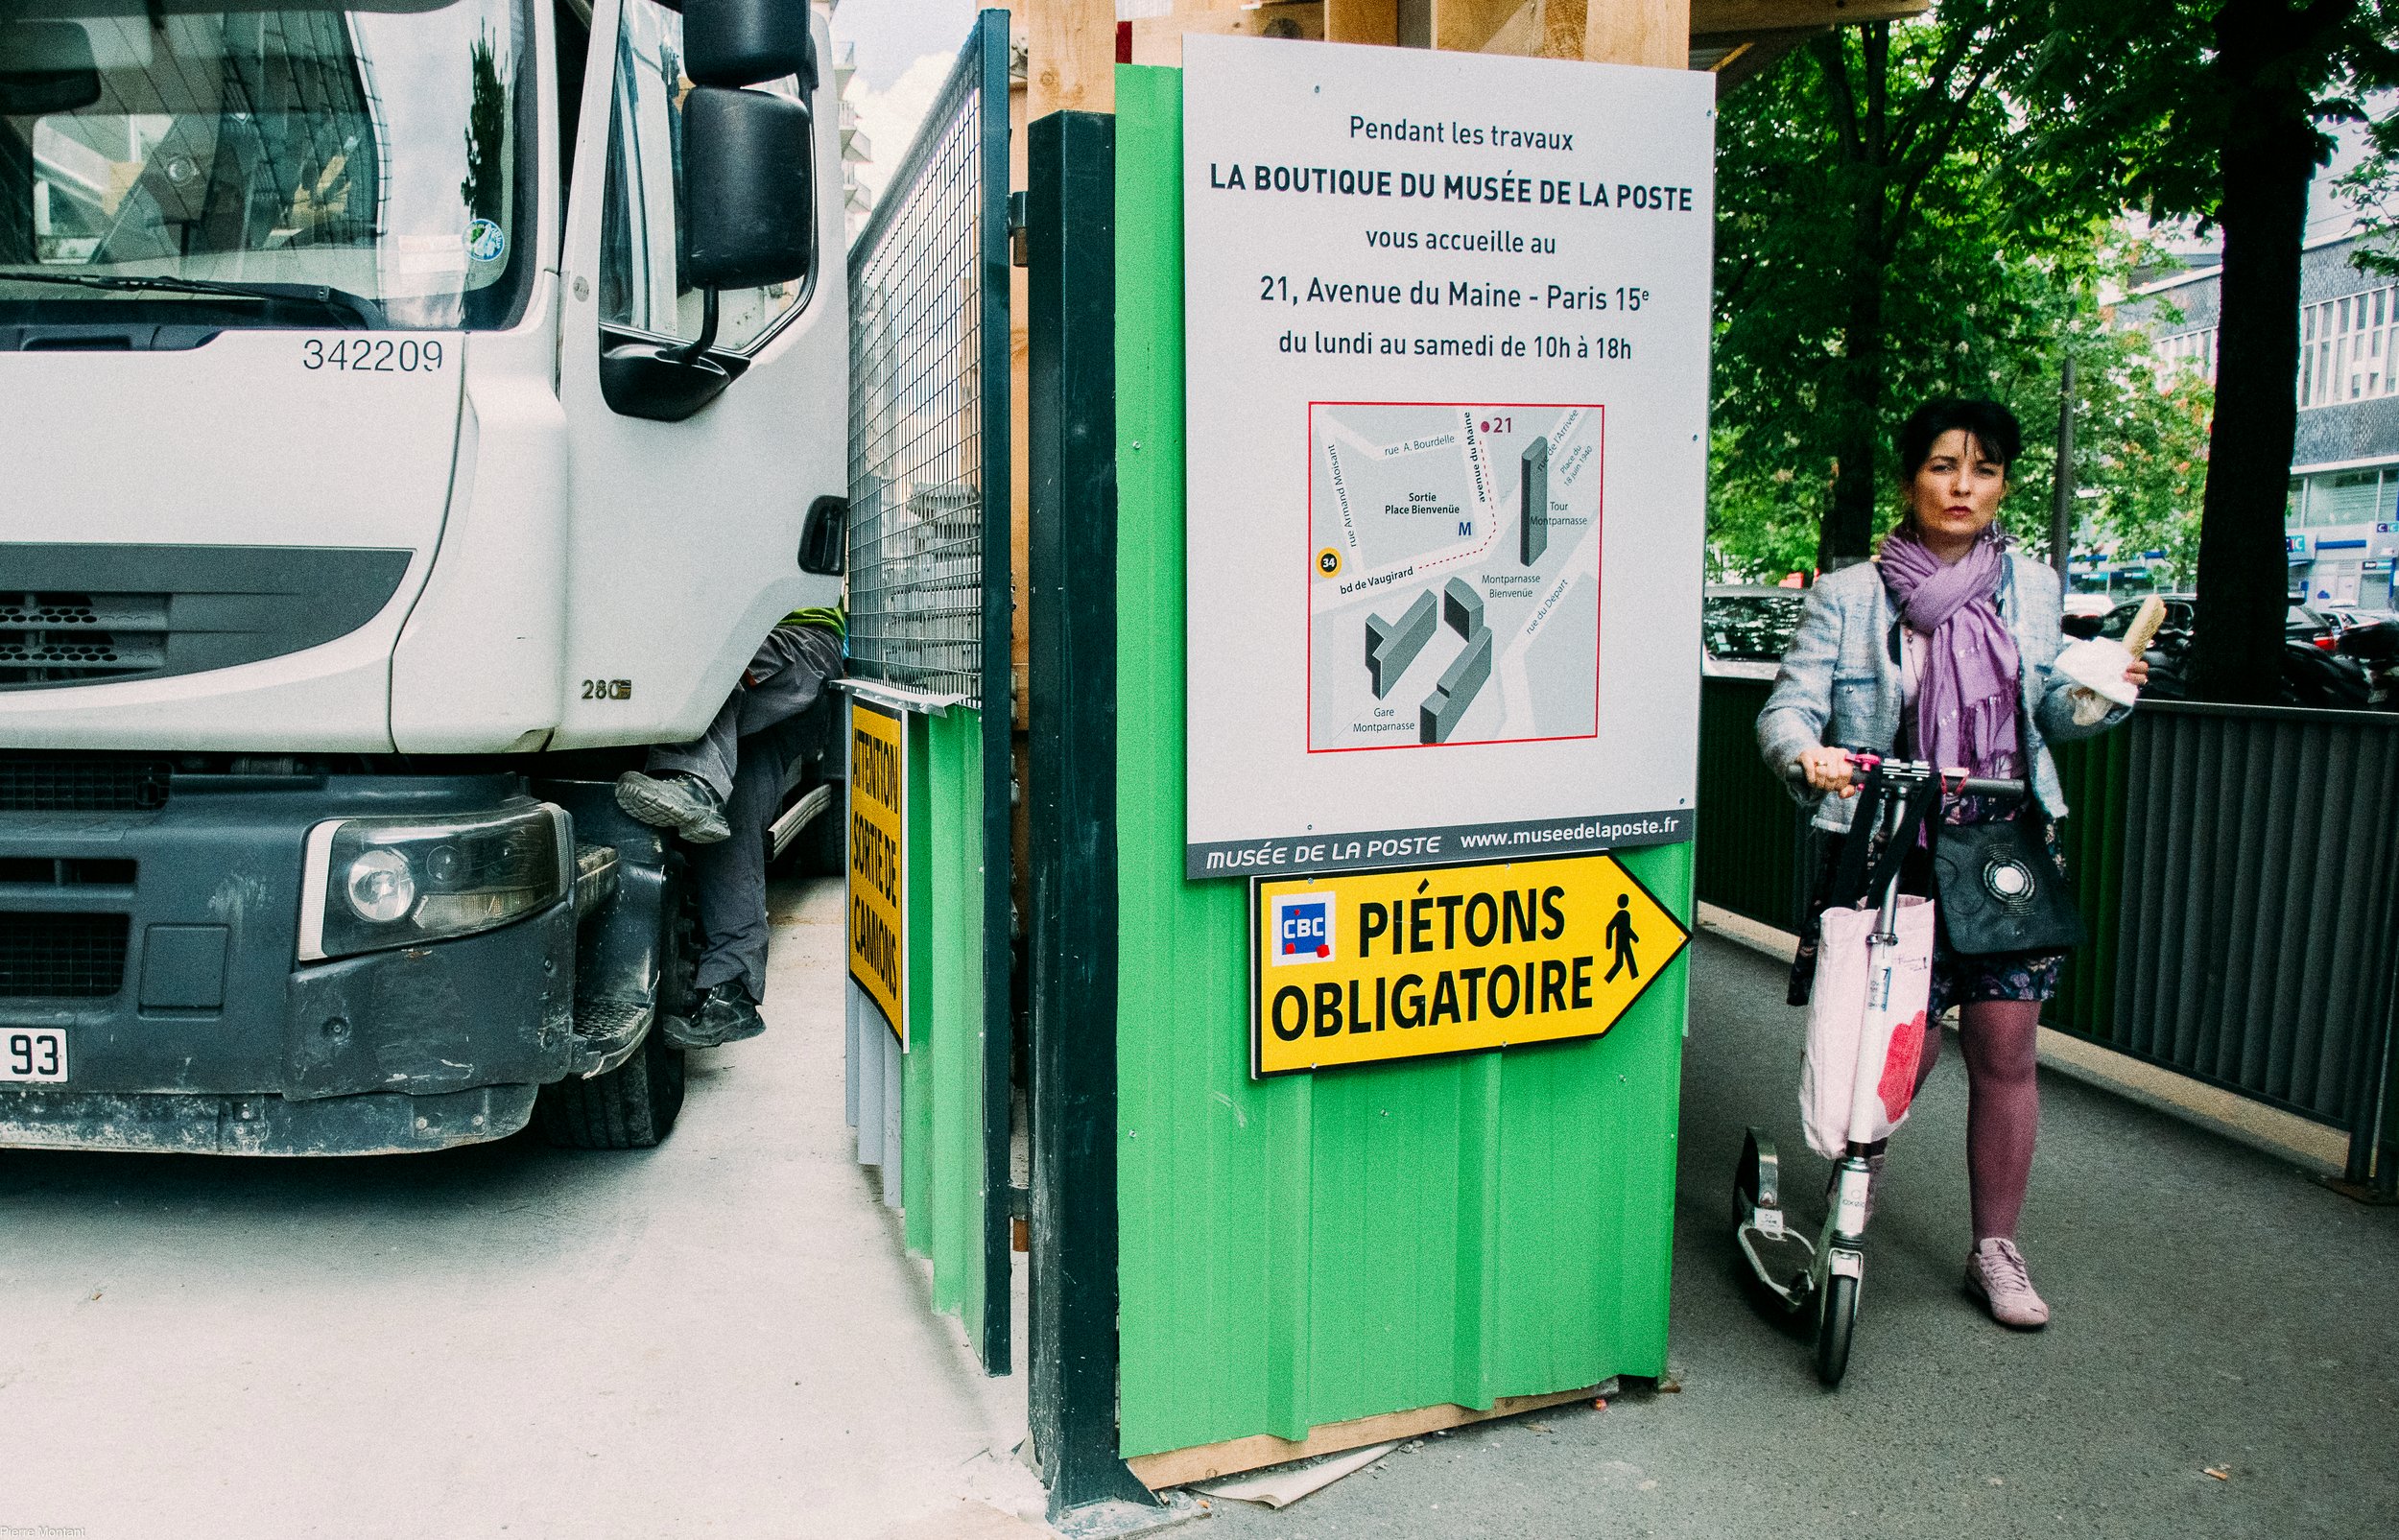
{"x": 46, "y": 783}
{"x": 45, "y": 957}
{"x": 55, "y": 638}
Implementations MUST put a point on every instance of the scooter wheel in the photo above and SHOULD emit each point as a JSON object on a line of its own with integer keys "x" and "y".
{"x": 1835, "y": 1321}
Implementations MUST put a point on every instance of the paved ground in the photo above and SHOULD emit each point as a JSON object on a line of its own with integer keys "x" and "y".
{"x": 715, "y": 1338}
{"x": 721, "y": 1337}
{"x": 2214, "y": 1307}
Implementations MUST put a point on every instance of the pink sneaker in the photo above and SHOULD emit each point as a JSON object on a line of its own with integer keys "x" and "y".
{"x": 1996, "y": 1275}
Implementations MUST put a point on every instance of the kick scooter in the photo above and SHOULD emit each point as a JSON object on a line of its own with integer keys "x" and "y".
{"x": 1896, "y": 798}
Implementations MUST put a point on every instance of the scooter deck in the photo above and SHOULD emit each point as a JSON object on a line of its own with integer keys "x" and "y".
{"x": 1759, "y": 1222}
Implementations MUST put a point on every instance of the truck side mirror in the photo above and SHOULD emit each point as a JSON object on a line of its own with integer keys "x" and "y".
{"x": 749, "y": 190}
{"x": 748, "y": 42}
{"x": 750, "y": 186}
{"x": 46, "y": 66}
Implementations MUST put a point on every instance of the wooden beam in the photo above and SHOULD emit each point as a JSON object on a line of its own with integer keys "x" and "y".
{"x": 1160, "y": 39}
{"x": 1469, "y": 25}
{"x": 1656, "y": 33}
{"x": 1070, "y": 62}
{"x": 1780, "y": 15}
{"x": 1204, "y": 1462}
{"x": 1735, "y": 60}
{"x": 1564, "y": 25}
{"x": 1361, "y": 21}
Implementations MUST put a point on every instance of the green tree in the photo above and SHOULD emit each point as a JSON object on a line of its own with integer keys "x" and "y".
{"x": 2217, "y": 110}
{"x": 485, "y": 189}
{"x": 1878, "y": 241}
{"x": 1865, "y": 200}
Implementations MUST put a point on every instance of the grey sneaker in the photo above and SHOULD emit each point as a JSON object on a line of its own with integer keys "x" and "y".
{"x": 684, "y": 803}
{"x": 1997, "y": 1276}
{"x": 726, "y": 1015}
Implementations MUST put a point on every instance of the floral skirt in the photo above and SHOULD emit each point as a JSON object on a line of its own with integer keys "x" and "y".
{"x": 1956, "y": 979}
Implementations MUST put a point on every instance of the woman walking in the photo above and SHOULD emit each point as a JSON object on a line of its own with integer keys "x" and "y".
{"x": 1943, "y": 650}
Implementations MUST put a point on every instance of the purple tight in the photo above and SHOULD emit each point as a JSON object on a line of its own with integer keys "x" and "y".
{"x": 2001, "y": 1039}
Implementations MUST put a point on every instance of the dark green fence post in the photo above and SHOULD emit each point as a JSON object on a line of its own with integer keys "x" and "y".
{"x": 1071, "y": 375}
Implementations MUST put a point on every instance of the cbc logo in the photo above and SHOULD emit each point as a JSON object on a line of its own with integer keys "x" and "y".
{"x": 1328, "y": 562}
{"x": 1303, "y": 927}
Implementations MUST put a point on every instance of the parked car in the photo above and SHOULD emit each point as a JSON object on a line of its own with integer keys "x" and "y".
{"x": 2315, "y": 671}
{"x": 1744, "y": 630}
{"x": 2079, "y": 614}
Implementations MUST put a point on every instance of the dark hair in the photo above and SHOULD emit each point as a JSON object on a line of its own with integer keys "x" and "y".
{"x": 1992, "y": 428}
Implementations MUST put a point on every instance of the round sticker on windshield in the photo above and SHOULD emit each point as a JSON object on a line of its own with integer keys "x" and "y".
{"x": 486, "y": 241}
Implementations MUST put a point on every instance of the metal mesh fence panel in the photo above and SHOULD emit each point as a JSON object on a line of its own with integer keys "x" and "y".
{"x": 916, "y": 461}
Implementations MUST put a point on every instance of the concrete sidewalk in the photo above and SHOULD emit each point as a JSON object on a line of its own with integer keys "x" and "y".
{"x": 2214, "y": 1309}
{"x": 719, "y": 1336}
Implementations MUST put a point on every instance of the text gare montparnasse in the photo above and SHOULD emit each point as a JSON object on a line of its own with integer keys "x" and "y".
{"x": 1471, "y": 187}
{"x": 1445, "y": 923}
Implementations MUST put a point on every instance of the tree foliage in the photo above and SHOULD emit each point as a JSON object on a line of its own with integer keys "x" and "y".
{"x": 1878, "y": 241}
{"x": 2217, "y": 110}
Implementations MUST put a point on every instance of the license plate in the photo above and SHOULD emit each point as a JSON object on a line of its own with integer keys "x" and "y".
{"x": 32, "y": 1054}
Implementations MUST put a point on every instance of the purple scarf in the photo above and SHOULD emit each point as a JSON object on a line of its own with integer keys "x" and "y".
{"x": 1966, "y": 699}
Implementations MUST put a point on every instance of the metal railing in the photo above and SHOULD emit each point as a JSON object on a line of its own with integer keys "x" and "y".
{"x": 2237, "y": 871}
{"x": 929, "y": 591}
{"x": 924, "y": 378}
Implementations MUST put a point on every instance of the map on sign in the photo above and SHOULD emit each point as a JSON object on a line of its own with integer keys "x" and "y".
{"x": 1455, "y": 587}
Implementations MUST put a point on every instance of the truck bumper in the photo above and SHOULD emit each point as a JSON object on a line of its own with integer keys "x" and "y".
{"x": 163, "y": 940}
{"x": 383, "y": 1124}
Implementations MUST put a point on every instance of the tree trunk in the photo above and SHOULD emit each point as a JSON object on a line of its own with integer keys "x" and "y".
{"x": 2269, "y": 154}
{"x": 1848, "y": 533}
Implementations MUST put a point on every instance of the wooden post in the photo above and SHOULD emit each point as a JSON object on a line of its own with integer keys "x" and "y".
{"x": 1361, "y": 21}
{"x": 1639, "y": 31}
{"x": 1071, "y": 58}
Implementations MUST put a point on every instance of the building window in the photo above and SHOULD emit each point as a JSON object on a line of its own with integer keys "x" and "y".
{"x": 2347, "y": 346}
{"x": 2190, "y": 353}
{"x": 2342, "y": 497}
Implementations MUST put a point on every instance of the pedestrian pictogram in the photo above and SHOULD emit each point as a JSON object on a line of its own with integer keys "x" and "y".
{"x": 1620, "y": 939}
{"x": 1400, "y": 964}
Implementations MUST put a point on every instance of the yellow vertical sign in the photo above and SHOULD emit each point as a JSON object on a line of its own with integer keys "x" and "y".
{"x": 878, "y": 859}
{"x": 1355, "y": 968}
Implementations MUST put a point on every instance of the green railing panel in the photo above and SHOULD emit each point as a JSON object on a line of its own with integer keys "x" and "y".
{"x": 1313, "y": 1249}
{"x": 917, "y": 1104}
{"x": 1750, "y": 847}
{"x": 2092, "y": 771}
{"x": 942, "y": 1177}
{"x": 954, "y": 1057}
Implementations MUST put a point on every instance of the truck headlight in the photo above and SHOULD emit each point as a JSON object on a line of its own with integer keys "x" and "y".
{"x": 370, "y": 883}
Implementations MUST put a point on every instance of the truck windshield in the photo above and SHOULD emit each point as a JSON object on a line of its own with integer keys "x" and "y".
{"x": 265, "y": 163}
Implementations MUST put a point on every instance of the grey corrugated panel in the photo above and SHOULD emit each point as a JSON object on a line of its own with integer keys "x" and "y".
{"x": 2255, "y": 943}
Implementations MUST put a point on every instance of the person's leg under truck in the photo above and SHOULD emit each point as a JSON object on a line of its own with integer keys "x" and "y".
{"x": 731, "y": 876}
{"x": 785, "y": 678}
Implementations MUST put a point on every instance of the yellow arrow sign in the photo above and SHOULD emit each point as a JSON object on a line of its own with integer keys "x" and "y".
{"x": 1399, "y": 964}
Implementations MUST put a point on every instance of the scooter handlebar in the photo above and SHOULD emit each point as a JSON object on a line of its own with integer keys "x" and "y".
{"x": 1954, "y": 782}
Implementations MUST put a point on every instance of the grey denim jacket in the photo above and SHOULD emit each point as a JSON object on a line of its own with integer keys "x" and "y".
{"x": 1839, "y": 682}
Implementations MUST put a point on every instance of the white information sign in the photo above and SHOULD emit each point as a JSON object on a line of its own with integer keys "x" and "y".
{"x": 1447, "y": 332}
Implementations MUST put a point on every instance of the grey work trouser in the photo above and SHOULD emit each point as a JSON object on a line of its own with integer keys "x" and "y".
{"x": 745, "y": 754}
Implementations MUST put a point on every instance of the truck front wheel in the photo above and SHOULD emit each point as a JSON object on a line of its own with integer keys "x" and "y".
{"x": 632, "y": 1107}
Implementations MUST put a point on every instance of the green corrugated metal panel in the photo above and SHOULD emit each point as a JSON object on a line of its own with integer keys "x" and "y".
{"x": 1750, "y": 829}
{"x": 1312, "y": 1249}
{"x": 956, "y": 1051}
{"x": 942, "y": 1173}
{"x": 917, "y": 1104}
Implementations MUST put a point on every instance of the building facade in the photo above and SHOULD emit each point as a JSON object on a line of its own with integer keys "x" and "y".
{"x": 2342, "y": 521}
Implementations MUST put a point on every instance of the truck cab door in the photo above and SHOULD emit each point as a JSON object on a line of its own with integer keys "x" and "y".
{"x": 696, "y": 453}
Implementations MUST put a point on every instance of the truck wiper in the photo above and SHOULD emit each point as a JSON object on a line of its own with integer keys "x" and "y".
{"x": 370, "y": 314}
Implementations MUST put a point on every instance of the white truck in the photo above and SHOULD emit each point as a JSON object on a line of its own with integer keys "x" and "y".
{"x": 409, "y": 410}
